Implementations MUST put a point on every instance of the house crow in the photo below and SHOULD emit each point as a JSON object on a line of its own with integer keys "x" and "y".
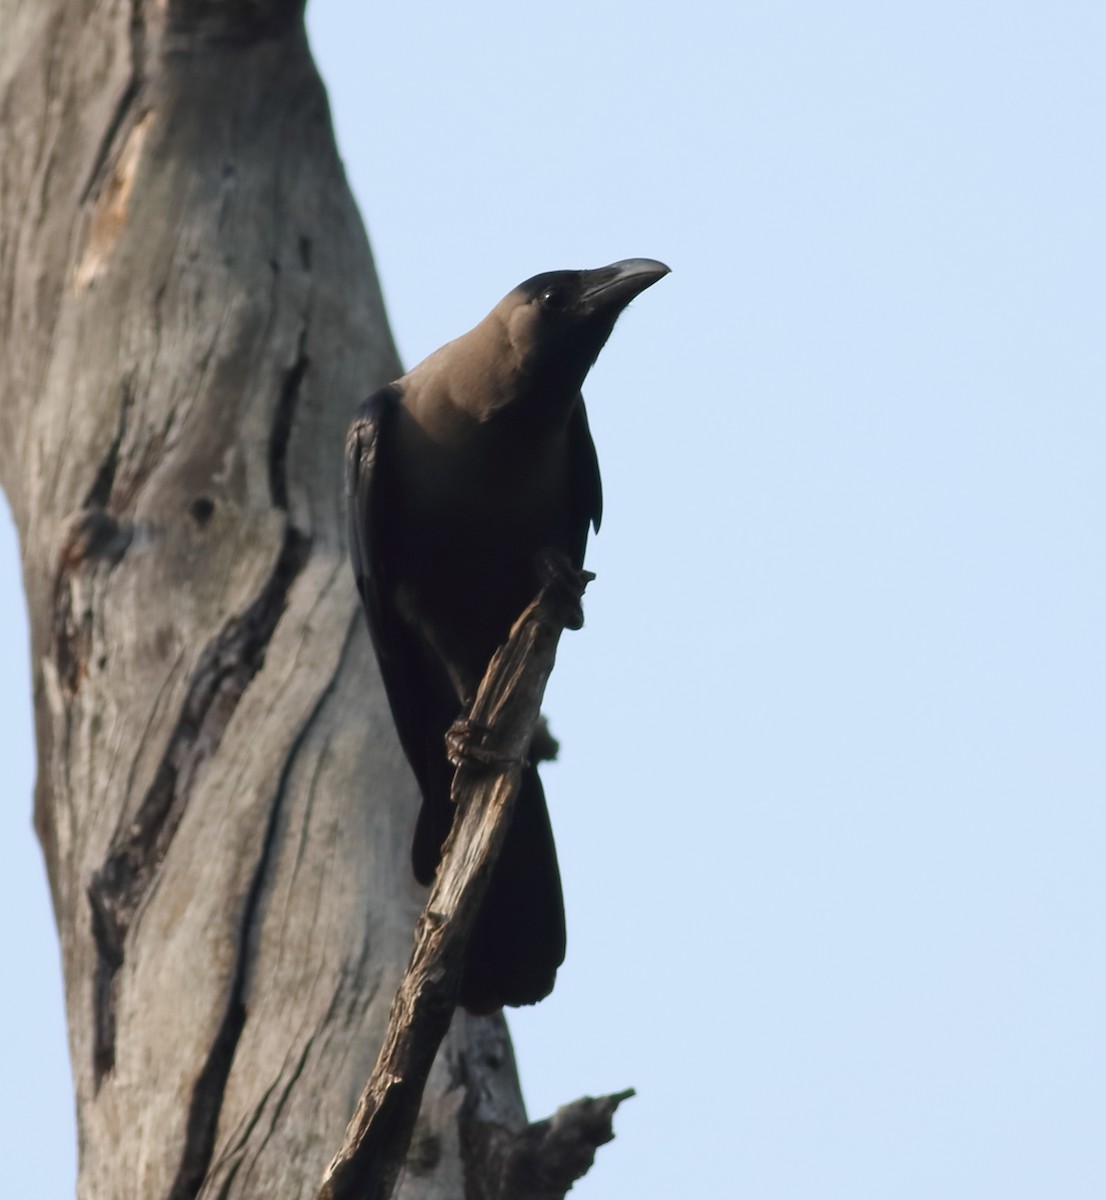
{"x": 461, "y": 476}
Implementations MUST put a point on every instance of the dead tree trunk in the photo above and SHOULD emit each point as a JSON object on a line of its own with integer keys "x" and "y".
{"x": 189, "y": 315}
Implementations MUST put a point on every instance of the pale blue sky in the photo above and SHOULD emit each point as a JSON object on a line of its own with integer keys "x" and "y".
{"x": 830, "y": 810}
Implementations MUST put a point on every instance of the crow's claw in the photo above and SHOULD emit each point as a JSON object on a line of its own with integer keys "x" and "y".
{"x": 557, "y": 573}
{"x": 466, "y": 744}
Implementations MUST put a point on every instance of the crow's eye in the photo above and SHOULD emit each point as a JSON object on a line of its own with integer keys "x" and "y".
{"x": 553, "y": 298}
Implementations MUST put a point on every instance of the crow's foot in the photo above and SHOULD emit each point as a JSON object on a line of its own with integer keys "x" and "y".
{"x": 557, "y": 573}
{"x": 466, "y": 745}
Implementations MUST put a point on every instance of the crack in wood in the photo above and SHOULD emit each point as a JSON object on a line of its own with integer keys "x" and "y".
{"x": 93, "y": 535}
{"x": 124, "y": 116}
{"x": 283, "y": 418}
{"x": 121, "y": 119}
{"x": 224, "y": 671}
{"x": 207, "y": 1095}
{"x": 99, "y": 494}
{"x": 282, "y": 1099}
{"x": 234, "y": 1154}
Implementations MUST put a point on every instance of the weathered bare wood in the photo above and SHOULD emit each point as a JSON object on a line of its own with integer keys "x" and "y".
{"x": 188, "y": 316}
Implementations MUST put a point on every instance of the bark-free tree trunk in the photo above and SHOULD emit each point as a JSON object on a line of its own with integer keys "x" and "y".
{"x": 189, "y": 315}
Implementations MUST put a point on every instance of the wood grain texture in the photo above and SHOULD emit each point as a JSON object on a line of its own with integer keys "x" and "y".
{"x": 188, "y": 317}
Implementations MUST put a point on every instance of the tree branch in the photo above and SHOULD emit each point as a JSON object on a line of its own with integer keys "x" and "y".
{"x": 508, "y": 707}
{"x": 543, "y": 1160}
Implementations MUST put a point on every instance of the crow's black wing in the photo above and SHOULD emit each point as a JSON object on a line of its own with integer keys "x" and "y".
{"x": 421, "y": 696}
{"x": 586, "y": 488}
